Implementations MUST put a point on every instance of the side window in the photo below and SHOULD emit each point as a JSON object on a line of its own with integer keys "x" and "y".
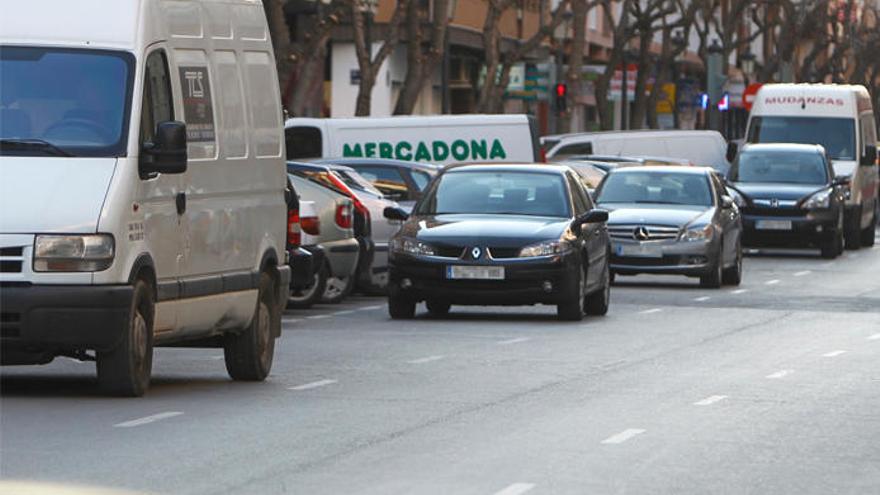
{"x": 386, "y": 179}
{"x": 578, "y": 195}
{"x": 303, "y": 142}
{"x": 157, "y": 103}
{"x": 421, "y": 179}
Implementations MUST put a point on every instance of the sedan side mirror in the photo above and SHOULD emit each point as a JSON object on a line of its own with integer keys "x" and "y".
{"x": 595, "y": 215}
{"x": 870, "y": 156}
{"x": 840, "y": 180}
{"x": 731, "y": 152}
{"x": 395, "y": 213}
{"x": 727, "y": 202}
{"x": 166, "y": 154}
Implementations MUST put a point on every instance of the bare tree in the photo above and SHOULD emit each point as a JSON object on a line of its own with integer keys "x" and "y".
{"x": 621, "y": 35}
{"x": 369, "y": 66}
{"x": 421, "y": 58}
{"x": 574, "y": 74}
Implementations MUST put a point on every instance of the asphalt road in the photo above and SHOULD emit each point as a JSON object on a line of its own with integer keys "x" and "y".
{"x": 772, "y": 387}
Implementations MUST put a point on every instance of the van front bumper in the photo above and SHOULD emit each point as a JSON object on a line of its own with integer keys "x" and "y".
{"x": 53, "y": 319}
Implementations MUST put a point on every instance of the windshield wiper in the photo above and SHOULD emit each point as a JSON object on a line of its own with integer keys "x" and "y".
{"x": 33, "y": 144}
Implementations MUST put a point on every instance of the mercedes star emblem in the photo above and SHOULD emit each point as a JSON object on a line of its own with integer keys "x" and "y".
{"x": 641, "y": 233}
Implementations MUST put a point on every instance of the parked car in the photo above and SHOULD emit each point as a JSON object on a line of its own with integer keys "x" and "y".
{"x": 398, "y": 180}
{"x": 301, "y": 261}
{"x": 304, "y": 230}
{"x": 673, "y": 220}
{"x": 789, "y": 196}
{"x": 501, "y": 234}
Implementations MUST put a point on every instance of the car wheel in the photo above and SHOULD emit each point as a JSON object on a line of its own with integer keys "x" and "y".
{"x": 337, "y": 289}
{"x": 125, "y": 370}
{"x": 596, "y": 304}
{"x": 833, "y": 247}
{"x": 400, "y": 307}
{"x": 305, "y": 298}
{"x": 249, "y": 354}
{"x": 733, "y": 274}
{"x": 868, "y": 233}
{"x": 853, "y": 234}
{"x": 712, "y": 280}
{"x": 573, "y": 308}
{"x": 438, "y": 308}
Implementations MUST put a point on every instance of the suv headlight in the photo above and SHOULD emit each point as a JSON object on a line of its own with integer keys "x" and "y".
{"x": 702, "y": 233}
{"x": 546, "y": 248}
{"x": 73, "y": 253}
{"x": 821, "y": 199}
{"x": 405, "y": 245}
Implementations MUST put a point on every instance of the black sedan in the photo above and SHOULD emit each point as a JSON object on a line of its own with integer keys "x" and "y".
{"x": 501, "y": 235}
{"x": 673, "y": 220}
{"x": 789, "y": 197}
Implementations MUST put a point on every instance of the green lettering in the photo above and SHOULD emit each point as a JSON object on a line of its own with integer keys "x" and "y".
{"x": 497, "y": 151}
{"x": 478, "y": 149}
{"x": 370, "y": 149}
{"x": 441, "y": 151}
{"x": 460, "y": 150}
{"x": 352, "y": 151}
{"x": 399, "y": 151}
{"x": 422, "y": 153}
{"x": 386, "y": 150}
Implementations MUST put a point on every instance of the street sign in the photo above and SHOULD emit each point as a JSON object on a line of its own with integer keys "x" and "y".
{"x": 749, "y": 95}
{"x": 517, "y": 79}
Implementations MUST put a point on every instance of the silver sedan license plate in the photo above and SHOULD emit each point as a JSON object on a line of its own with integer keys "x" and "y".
{"x": 773, "y": 225}
{"x": 643, "y": 250}
{"x": 458, "y": 272}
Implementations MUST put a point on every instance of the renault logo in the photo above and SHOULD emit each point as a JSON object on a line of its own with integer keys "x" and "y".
{"x": 475, "y": 253}
{"x": 641, "y": 233}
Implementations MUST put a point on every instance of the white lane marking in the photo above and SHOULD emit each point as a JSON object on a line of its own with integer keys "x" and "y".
{"x": 290, "y": 320}
{"x": 710, "y": 400}
{"x": 876, "y": 336}
{"x": 649, "y": 311}
{"x": 780, "y": 374}
{"x": 426, "y": 359}
{"x": 370, "y": 308}
{"x": 702, "y": 298}
{"x": 772, "y": 282}
{"x": 833, "y": 353}
{"x": 740, "y": 291}
{"x": 802, "y": 273}
{"x": 344, "y": 312}
{"x": 623, "y": 436}
{"x": 513, "y": 341}
{"x": 516, "y": 489}
{"x": 147, "y": 419}
{"x": 318, "y": 317}
{"x": 309, "y": 386}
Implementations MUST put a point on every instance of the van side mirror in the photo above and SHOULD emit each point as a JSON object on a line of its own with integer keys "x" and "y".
{"x": 395, "y": 213}
{"x": 166, "y": 154}
{"x": 870, "y": 156}
{"x": 731, "y": 152}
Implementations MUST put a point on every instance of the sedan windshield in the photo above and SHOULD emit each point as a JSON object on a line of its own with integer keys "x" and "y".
{"x": 502, "y": 192}
{"x": 656, "y": 187}
{"x": 779, "y": 167}
{"x": 63, "y": 102}
{"x": 836, "y": 134}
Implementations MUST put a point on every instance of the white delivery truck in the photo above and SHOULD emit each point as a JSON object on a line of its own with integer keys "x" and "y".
{"x": 142, "y": 184}
{"x": 840, "y": 118}
{"x": 437, "y": 139}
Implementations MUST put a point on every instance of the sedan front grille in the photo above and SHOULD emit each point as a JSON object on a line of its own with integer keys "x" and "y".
{"x": 643, "y": 232}
{"x": 11, "y": 259}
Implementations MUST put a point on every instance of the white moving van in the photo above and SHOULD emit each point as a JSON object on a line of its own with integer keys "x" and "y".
{"x": 142, "y": 184}
{"x": 840, "y": 118}
{"x": 703, "y": 148}
{"x": 437, "y": 139}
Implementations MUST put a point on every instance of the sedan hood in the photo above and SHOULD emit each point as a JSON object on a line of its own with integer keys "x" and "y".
{"x": 647, "y": 214}
{"x": 788, "y": 192}
{"x": 491, "y": 230}
{"x": 52, "y": 194}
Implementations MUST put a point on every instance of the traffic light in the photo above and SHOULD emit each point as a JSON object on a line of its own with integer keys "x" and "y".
{"x": 561, "y": 97}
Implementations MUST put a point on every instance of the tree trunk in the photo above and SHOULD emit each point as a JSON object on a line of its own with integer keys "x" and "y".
{"x": 419, "y": 65}
{"x": 574, "y": 78}
{"x": 369, "y": 66}
{"x": 280, "y": 34}
{"x": 644, "y": 70}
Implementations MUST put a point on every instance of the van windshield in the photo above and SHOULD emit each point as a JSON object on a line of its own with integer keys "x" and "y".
{"x": 836, "y": 134}
{"x": 64, "y": 102}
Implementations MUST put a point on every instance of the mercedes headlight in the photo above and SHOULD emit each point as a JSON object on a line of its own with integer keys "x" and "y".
{"x": 547, "y": 248}
{"x": 701, "y": 233}
{"x": 404, "y": 245}
{"x": 821, "y": 199}
{"x": 73, "y": 253}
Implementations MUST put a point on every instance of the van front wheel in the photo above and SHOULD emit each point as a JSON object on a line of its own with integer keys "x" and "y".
{"x": 249, "y": 354}
{"x": 125, "y": 370}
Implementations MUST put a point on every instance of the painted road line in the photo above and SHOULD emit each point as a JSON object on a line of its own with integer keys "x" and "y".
{"x": 426, "y": 359}
{"x": 780, "y": 374}
{"x": 876, "y": 336}
{"x": 802, "y": 273}
{"x": 772, "y": 282}
{"x": 370, "y": 308}
{"x": 344, "y": 312}
{"x": 309, "y": 386}
{"x": 740, "y": 291}
{"x": 833, "y": 353}
{"x": 147, "y": 419}
{"x": 649, "y": 311}
{"x": 318, "y": 317}
{"x": 513, "y": 341}
{"x": 702, "y": 298}
{"x": 622, "y": 436}
{"x": 710, "y": 400}
{"x": 516, "y": 489}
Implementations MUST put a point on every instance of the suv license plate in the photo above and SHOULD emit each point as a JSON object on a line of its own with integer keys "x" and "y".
{"x": 475, "y": 272}
{"x": 773, "y": 224}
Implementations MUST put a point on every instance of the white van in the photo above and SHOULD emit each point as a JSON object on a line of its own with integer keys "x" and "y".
{"x": 437, "y": 139}
{"x": 142, "y": 184}
{"x": 840, "y": 118}
{"x": 703, "y": 148}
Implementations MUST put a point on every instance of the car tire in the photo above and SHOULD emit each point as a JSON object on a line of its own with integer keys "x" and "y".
{"x": 249, "y": 354}
{"x": 306, "y": 298}
{"x": 596, "y": 304}
{"x": 869, "y": 232}
{"x": 125, "y": 370}
{"x": 733, "y": 275}
{"x": 713, "y": 279}
{"x": 337, "y": 288}
{"x": 612, "y": 278}
{"x": 853, "y": 234}
{"x": 437, "y": 308}
{"x": 400, "y": 307}
{"x": 573, "y": 308}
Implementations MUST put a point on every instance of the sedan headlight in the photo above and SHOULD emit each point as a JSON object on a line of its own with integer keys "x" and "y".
{"x": 73, "y": 253}
{"x": 546, "y": 248}
{"x": 702, "y": 233}
{"x": 821, "y": 199}
{"x": 406, "y": 245}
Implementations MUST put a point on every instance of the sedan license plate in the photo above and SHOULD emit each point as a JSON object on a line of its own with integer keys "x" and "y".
{"x": 643, "y": 250}
{"x": 773, "y": 224}
{"x": 457, "y": 272}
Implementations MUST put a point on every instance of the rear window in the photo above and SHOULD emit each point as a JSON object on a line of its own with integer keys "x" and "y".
{"x": 303, "y": 142}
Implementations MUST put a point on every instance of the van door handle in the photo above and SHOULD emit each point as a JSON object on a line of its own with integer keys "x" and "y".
{"x": 180, "y": 201}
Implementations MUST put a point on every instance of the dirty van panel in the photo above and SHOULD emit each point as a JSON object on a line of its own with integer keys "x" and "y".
{"x": 303, "y": 142}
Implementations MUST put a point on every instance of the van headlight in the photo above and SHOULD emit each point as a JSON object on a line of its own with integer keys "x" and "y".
{"x": 405, "y": 245}
{"x": 546, "y": 248}
{"x": 73, "y": 253}
{"x": 821, "y": 199}
{"x": 701, "y": 233}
